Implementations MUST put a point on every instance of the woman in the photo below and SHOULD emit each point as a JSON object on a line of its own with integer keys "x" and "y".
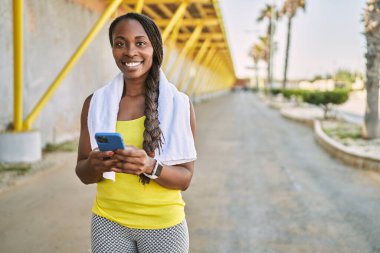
{"x": 138, "y": 205}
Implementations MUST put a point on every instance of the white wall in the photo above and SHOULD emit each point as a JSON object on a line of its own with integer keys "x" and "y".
{"x": 52, "y": 32}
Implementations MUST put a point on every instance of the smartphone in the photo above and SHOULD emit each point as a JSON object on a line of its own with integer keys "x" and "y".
{"x": 109, "y": 141}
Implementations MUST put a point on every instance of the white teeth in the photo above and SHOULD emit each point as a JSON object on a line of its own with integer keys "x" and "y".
{"x": 132, "y": 64}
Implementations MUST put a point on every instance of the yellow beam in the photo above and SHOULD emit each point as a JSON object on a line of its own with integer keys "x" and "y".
{"x": 202, "y": 72}
{"x": 204, "y": 79}
{"x": 175, "y": 34}
{"x": 176, "y": 17}
{"x": 189, "y": 44}
{"x": 17, "y": 63}
{"x": 167, "y": 1}
{"x": 221, "y": 22}
{"x": 171, "y": 45}
{"x": 220, "y": 45}
{"x": 126, "y": 8}
{"x": 213, "y": 36}
{"x": 70, "y": 64}
{"x": 194, "y": 63}
{"x": 151, "y": 13}
{"x": 168, "y": 13}
{"x": 212, "y": 78}
{"x": 216, "y": 79}
{"x": 199, "y": 7}
{"x": 185, "y": 68}
{"x": 139, "y": 6}
{"x": 188, "y": 21}
{"x": 220, "y": 81}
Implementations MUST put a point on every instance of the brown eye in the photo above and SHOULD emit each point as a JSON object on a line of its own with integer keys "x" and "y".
{"x": 140, "y": 43}
{"x": 118, "y": 44}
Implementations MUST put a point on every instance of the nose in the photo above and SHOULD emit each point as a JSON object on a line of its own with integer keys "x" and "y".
{"x": 130, "y": 50}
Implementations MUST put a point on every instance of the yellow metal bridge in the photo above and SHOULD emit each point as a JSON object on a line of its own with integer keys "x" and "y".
{"x": 197, "y": 56}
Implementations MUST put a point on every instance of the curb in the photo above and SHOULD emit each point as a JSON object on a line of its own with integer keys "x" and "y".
{"x": 351, "y": 157}
{"x": 305, "y": 121}
{"x": 356, "y": 159}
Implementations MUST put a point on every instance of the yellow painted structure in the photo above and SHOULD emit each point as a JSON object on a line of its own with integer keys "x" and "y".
{"x": 139, "y": 6}
{"x": 194, "y": 64}
{"x": 202, "y": 73}
{"x": 185, "y": 50}
{"x": 176, "y": 17}
{"x": 70, "y": 64}
{"x": 192, "y": 28}
{"x": 17, "y": 63}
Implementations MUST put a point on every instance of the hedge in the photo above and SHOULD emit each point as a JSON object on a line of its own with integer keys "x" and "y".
{"x": 321, "y": 98}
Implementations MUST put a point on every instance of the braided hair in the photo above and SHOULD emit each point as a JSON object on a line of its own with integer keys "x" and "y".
{"x": 153, "y": 137}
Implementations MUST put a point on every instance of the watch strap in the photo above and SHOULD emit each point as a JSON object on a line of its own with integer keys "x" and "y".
{"x": 156, "y": 170}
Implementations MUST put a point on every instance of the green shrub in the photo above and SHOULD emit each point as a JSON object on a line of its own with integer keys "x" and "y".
{"x": 325, "y": 99}
{"x": 275, "y": 91}
{"x": 288, "y": 93}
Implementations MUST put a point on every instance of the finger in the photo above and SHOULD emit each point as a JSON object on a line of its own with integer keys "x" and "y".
{"x": 105, "y": 155}
{"x": 131, "y": 152}
{"x": 110, "y": 163}
{"x": 114, "y": 169}
{"x": 129, "y": 168}
{"x": 99, "y": 154}
{"x": 129, "y": 159}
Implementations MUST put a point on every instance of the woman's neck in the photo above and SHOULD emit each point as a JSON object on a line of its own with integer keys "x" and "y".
{"x": 133, "y": 89}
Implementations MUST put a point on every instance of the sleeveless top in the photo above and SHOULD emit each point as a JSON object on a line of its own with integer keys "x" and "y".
{"x": 128, "y": 202}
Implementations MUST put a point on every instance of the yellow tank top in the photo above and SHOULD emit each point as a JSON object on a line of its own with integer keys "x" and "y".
{"x": 132, "y": 204}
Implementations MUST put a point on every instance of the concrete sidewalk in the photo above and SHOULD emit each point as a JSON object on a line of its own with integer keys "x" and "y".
{"x": 261, "y": 184}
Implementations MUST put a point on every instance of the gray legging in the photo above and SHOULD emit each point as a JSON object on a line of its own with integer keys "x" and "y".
{"x": 109, "y": 236}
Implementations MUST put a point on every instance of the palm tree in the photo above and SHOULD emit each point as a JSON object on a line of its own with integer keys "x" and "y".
{"x": 289, "y": 9}
{"x": 259, "y": 52}
{"x": 372, "y": 33}
{"x": 269, "y": 13}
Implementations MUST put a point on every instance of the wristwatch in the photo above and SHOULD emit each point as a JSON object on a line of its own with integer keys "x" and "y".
{"x": 156, "y": 170}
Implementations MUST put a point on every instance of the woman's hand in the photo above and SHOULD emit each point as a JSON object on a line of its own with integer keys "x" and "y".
{"x": 132, "y": 160}
{"x": 102, "y": 161}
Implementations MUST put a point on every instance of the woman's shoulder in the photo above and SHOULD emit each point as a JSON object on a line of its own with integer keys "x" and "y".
{"x": 86, "y": 105}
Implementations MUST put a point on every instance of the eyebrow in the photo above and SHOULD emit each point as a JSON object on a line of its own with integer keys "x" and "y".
{"x": 141, "y": 37}
{"x": 137, "y": 37}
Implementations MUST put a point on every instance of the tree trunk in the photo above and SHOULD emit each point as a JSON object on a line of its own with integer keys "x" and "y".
{"x": 371, "y": 127}
{"x": 372, "y": 32}
{"x": 284, "y": 81}
{"x": 257, "y": 77}
{"x": 269, "y": 81}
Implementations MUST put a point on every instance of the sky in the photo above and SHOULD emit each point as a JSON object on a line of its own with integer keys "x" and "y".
{"x": 326, "y": 37}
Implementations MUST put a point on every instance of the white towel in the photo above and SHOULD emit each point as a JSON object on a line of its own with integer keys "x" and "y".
{"x": 173, "y": 114}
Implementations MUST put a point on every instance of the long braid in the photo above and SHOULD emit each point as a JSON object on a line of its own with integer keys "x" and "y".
{"x": 153, "y": 137}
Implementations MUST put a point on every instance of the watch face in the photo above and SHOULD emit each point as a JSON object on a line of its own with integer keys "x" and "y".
{"x": 159, "y": 169}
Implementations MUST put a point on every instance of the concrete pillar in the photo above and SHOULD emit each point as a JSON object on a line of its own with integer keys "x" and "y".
{"x": 20, "y": 146}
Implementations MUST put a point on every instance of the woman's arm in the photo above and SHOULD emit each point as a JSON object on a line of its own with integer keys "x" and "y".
{"x": 90, "y": 163}
{"x": 179, "y": 176}
{"x": 136, "y": 161}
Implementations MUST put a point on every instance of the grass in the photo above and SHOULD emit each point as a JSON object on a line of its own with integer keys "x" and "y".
{"x": 68, "y": 146}
{"x": 19, "y": 168}
{"x": 342, "y": 130}
{"x": 11, "y": 171}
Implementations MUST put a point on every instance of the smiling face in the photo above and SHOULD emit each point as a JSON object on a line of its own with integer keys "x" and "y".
{"x": 132, "y": 50}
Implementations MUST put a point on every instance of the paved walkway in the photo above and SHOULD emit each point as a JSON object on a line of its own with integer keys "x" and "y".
{"x": 261, "y": 184}
{"x": 354, "y": 109}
